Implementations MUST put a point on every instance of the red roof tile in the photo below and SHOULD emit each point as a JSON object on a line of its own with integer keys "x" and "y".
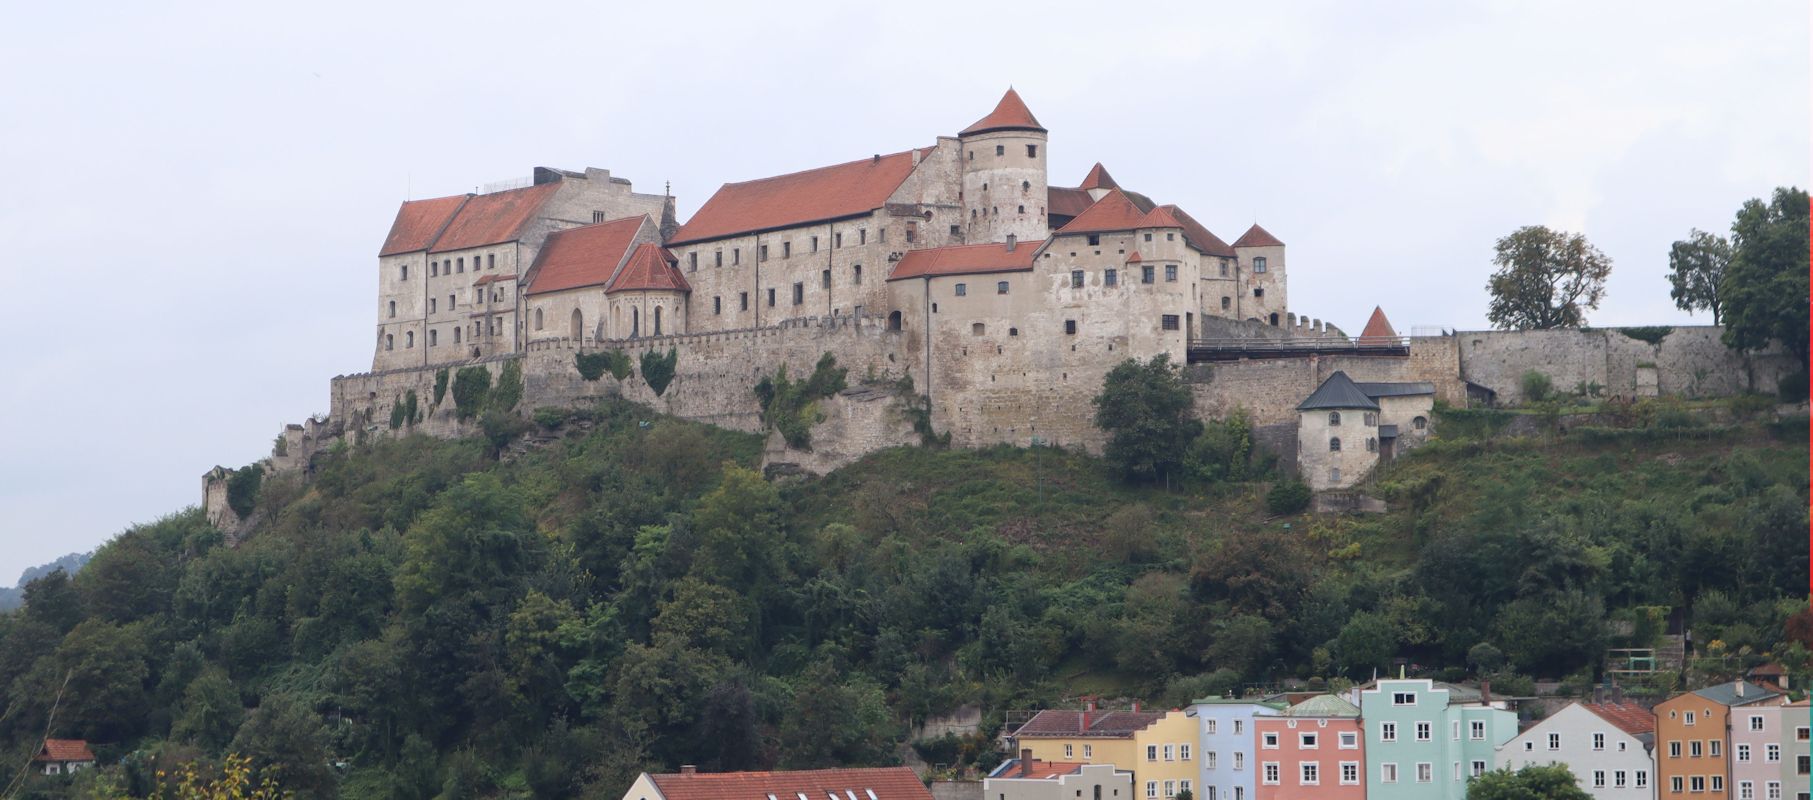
{"x": 1257, "y": 237}
{"x": 64, "y": 750}
{"x": 784, "y": 201}
{"x": 652, "y": 268}
{"x": 1631, "y": 719}
{"x": 1378, "y": 326}
{"x": 965, "y": 259}
{"x": 418, "y": 222}
{"x": 1199, "y": 236}
{"x": 493, "y": 279}
{"x": 1059, "y": 723}
{"x": 1098, "y": 178}
{"x": 1037, "y": 770}
{"x": 583, "y": 256}
{"x": 1065, "y": 202}
{"x": 1133, "y": 256}
{"x": 494, "y": 218}
{"x": 886, "y": 783}
{"x": 1114, "y": 212}
{"x": 1011, "y": 114}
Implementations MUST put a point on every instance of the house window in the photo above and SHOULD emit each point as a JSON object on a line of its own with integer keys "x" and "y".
{"x": 1088, "y": 751}
{"x": 1554, "y": 741}
{"x": 962, "y": 290}
{"x": 1076, "y": 279}
{"x": 1239, "y": 727}
{"x": 1696, "y": 783}
{"x": 1388, "y": 773}
{"x": 1069, "y": 751}
{"x": 1171, "y": 788}
{"x": 1424, "y": 732}
{"x": 1095, "y": 240}
{"x": 1476, "y": 730}
{"x": 1070, "y": 328}
{"x": 1258, "y": 265}
{"x": 1687, "y": 719}
{"x": 1695, "y": 749}
{"x": 1350, "y": 773}
{"x": 1151, "y": 789}
{"x": 1183, "y": 752}
{"x": 1311, "y": 773}
{"x": 1388, "y": 731}
{"x": 1208, "y": 760}
{"x": 1032, "y": 151}
{"x": 1642, "y": 778}
{"x": 1306, "y": 741}
{"x": 1270, "y": 768}
{"x": 1598, "y": 779}
{"x": 1425, "y": 772}
{"x": 1268, "y": 741}
{"x": 1674, "y": 749}
{"x": 1239, "y": 760}
{"x": 1743, "y": 753}
{"x": 1674, "y": 784}
{"x": 1756, "y": 722}
{"x": 1713, "y": 745}
{"x": 1168, "y": 322}
{"x": 1170, "y": 273}
{"x": 1718, "y": 783}
{"x": 1170, "y": 753}
{"x": 1350, "y": 741}
{"x": 1801, "y": 734}
{"x": 743, "y": 298}
{"x": 1746, "y": 790}
{"x": 1227, "y": 303}
{"x": 1478, "y": 768}
{"x": 1111, "y": 277}
{"x": 1001, "y": 287}
{"x": 1772, "y": 753}
{"x": 1148, "y": 274}
{"x": 1401, "y": 698}
{"x": 1618, "y": 779}
{"x": 1208, "y": 726}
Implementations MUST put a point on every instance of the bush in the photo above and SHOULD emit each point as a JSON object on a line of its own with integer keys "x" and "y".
{"x": 508, "y": 391}
{"x": 440, "y": 386}
{"x": 792, "y": 407}
{"x": 658, "y": 369}
{"x": 1792, "y": 388}
{"x": 1471, "y": 423}
{"x": 592, "y": 366}
{"x": 502, "y": 427}
{"x": 470, "y": 387}
{"x": 1287, "y": 497}
{"x": 242, "y": 489}
{"x": 1653, "y": 334}
{"x": 1536, "y": 386}
{"x": 550, "y": 417}
{"x": 1224, "y": 449}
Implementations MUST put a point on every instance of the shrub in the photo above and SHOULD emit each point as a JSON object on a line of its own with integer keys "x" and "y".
{"x": 502, "y": 427}
{"x": 440, "y": 386}
{"x": 658, "y": 369}
{"x": 592, "y": 366}
{"x": 1287, "y": 497}
{"x": 242, "y": 489}
{"x": 508, "y": 391}
{"x": 1749, "y": 405}
{"x": 1471, "y": 423}
{"x": 550, "y": 417}
{"x": 1792, "y": 387}
{"x": 1536, "y": 386}
{"x": 1653, "y": 334}
{"x": 396, "y": 415}
{"x": 1224, "y": 449}
{"x": 280, "y": 447}
{"x": 792, "y": 407}
{"x": 470, "y": 386}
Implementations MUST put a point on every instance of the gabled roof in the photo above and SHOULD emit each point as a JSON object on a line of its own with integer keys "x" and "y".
{"x": 1116, "y": 211}
{"x": 1377, "y": 326}
{"x": 1054, "y": 723}
{"x": 1011, "y": 114}
{"x": 884, "y": 783}
{"x": 1323, "y": 705}
{"x": 585, "y": 256}
{"x": 418, "y": 222}
{"x": 651, "y": 268}
{"x": 1257, "y": 237}
{"x": 1066, "y": 202}
{"x": 799, "y": 198}
{"x": 1098, "y": 178}
{"x": 1035, "y": 769}
{"x": 1338, "y": 391}
{"x": 1729, "y": 694}
{"x": 1133, "y": 257}
{"x": 494, "y": 218}
{"x": 1632, "y": 719}
{"x": 64, "y": 750}
{"x": 966, "y": 259}
{"x": 1197, "y": 235}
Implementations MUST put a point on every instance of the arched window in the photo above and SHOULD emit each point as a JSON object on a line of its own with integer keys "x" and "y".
{"x": 978, "y": 329}
{"x": 1334, "y": 418}
{"x": 390, "y": 341}
{"x": 657, "y": 320}
{"x": 635, "y": 323}
{"x": 1334, "y": 445}
{"x": 1274, "y": 319}
{"x": 1022, "y": 209}
{"x": 538, "y": 319}
{"x": 578, "y": 330}
{"x": 1372, "y": 445}
{"x": 393, "y": 309}
{"x": 894, "y": 321}
{"x": 408, "y": 339}
{"x": 1419, "y": 423}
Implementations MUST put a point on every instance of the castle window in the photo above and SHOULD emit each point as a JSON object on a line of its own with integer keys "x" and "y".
{"x": 972, "y": 155}
{"x": 1070, "y": 327}
{"x": 408, "y": 339}
{"x": 771, "y": 298}
{"x": 692, "y": 262}
{"x": 717, "y": 258}
{"x": 786, "y": 249}
{"x": 1076, "y": 279}
{"x": 457, "y": 330}
{"x": 390, "y": 341}
{"x": 912, "y": 232}
{"x": 1334, "y": 445}
{"x": 433, "y": 269}
{"x": 972, "y": 213}
{"x": 1227, "y": 303}
{"x": 635, "y": 322}
{"x": 763, "y": 254}
{"x": 1274, "y": 319}
{"x": 717, "y": 305}
{"x": 962, "y": 290}
{"x": 862, "y": 235}
{"x": 743, "y": 298}
{"x": 884, "y": 236}
{"x": 404, "y": 273}
{"x": 1032, "y": 151}
{"x": 393, "y": 309}
{"x": 1148, "y": 237}
{"x": 837, "y": 239}
{"x": 657, "y": 320}
{"x": 815, "y": 244}
{"x": 1025, "y": 186}
{"x": 1022, "y": 209}
{"x": 1258, "y": 291}
{"x": 1371, "y": 419}
{"x": 1001, "y": 287}
{"x": 459, "y": 264}
{"x": 858, "y": 274}
{"x": 1148, "y": 274}
{"x": 1170, "y": 237}
{"x": 1224, "y": 268}
{"x": 1419, "y": 423}
{"x": 1258, "y": 265}
{"x": 1334, "y": 418}
{"x": 1013, "y": 331}
{"x": 433, "y": 337}
{"x": 538, "y": 319}
{"x": 452, "y": 304}
{"x": 1372, "y": 445}
{"x": 1169, "y": 322}
{"x": 825, "y": 278}
{"x": 1000, "y": 149}
{"x": 1334, "y": 476}
{"x": 736, "y": 256}
{"x": 1095, "y": 239}
{"x": 934, "y": 308}
{"x": 956, "y": 230}
{"x": 597, "y": 217}
{"x": 1170, "y": 273}
{"x": 431, "y": 305}
{"x": 1111, "y": 277}
{"x": 799, "y": 293}
{"x": 491, "y": 261}
{"x": 978, "y": 329}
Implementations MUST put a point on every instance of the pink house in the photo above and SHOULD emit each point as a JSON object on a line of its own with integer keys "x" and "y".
{"x": 1313, "y": 750}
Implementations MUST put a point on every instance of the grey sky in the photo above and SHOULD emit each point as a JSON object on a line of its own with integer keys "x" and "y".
{"x": 196, "y": 192}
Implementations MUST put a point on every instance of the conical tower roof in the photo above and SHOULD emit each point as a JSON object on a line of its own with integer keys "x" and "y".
{"x": 1257, "y": 237}
{"x": 1011, "y": 114}
{"x": 1098, "y": 178}
{"x": 1378, "y": 327}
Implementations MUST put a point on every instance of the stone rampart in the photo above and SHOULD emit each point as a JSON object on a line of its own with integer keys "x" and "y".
{"x": 1690, "y": 361}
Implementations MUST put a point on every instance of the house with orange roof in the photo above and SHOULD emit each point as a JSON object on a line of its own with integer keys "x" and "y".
{"x": 878, "y": 783}
{"x": 1156, "y": 748}
{"x": 1028, "y": 778}
{"x": 63, "y": 757}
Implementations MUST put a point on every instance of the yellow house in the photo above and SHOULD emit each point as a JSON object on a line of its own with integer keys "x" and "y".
{"x": 1158, "y": 747}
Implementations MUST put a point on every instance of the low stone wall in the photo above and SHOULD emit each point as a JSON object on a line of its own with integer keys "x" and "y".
{"x": 1691, "y": 362}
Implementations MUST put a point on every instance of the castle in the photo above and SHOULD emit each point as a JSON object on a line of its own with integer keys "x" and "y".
{"x": 957, "y": 265}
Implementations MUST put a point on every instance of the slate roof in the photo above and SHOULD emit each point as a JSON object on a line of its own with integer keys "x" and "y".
{"x": 1726, "y": 694}
{"x": 1323, "y": 705}
{"x": 585, "y": 256}
{"x": 418, "y": 222}
{"x": 799, "y": 198}
{"x": 651, "y": 268}
{"x": 494, "y": 218}
{"x": 965, "y": 259}
{"x": 1257, "y": 237}
{"x": 1378, "y": 326}
{"x": 1037, "y": 770}
{"x": 1052, "y": 723}
{"x": 1098, "y": 178}
{"x": 1011, "y": 114}
{"x": 64, "y": 750}
{"x": 884, "y": 783}
{"x": 1377, "y": 390}
{"x": 1632, "y": 719}
{"x": 1338, "y": 391}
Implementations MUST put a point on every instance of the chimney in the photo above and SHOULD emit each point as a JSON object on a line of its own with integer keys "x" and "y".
{"x": 1026, "y": 762}
{"x": 915, "y": 156}
{"x": 1485, "y": 692}
{"x": 877, "y": 159}
{"x": 689, "y": 769}
{"x": 1012, "y": 240}
{"x": 1740, "y": 688}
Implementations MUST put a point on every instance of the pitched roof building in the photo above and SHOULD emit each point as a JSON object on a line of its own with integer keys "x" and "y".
{"x": 881, "y": 783}
{"x": 63, "y": 756}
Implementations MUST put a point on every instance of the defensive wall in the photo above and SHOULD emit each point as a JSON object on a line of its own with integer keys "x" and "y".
{"x": 1689, "y": 361}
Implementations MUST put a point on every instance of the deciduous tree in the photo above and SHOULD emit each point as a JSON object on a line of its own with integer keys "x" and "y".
{"x": 1147, "y": 413}
{"x": 1545, "y": 279}
{"x": 1696, "y": 266}
{"x": 1764, "y": 291}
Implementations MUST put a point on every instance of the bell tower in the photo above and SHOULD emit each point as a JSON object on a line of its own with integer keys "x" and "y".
{"x": 1004, "y": 187}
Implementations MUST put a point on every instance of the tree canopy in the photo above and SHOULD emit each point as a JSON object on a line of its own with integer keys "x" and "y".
{"x": 1530, "y": 783}
{"x": 1545, "y": 279}
{"x": 1764, "y": 291}
{"x": 1147, "y": 412}
{"x": 1696, "y": 268}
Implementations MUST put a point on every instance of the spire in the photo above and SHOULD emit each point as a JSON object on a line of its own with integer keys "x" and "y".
{"x": 1098, "y": 178}
{"x": 1010, "y": 114}
{"x": 1378, "y": 327}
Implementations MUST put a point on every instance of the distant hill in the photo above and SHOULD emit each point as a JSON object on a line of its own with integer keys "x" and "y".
{"x": 13, "y": 597}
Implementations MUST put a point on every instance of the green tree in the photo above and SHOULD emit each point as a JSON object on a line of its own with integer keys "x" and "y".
{"x": 286, "y": 742}
{"x": 1545, "y": 279}
{"x": 1368, "y": 641}
{"x": 1696, "y": 267}
{"x": 1530, "y": 783}
{"x": 1148, "y": 415}
{"x": 1764, "y": 291}
{"x": 209, "y": 712}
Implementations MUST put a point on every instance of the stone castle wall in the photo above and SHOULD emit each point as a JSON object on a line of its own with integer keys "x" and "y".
{"x": 1690, "y": 361}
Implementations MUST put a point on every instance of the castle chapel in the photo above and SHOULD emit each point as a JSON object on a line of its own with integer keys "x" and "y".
{"x": 963, "y": 245}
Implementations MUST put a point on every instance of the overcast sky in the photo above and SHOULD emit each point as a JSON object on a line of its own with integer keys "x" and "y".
{"x": 195, "y": 193}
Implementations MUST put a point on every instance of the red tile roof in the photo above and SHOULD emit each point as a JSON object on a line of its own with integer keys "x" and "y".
{"x": 1053, "y": 723}
{"x": 1257, "y": 237}
{"x": 494, "y": 218}
{"x": 1114, "y": 212}
{"x": 1098, "y": 178}
{"x": 1011, "y": 114}
{"x": 583, "y": 256}
{"x": 652, "y": 268}
{"x": 64, "y": 750}
{"x": 784, "y": 201}
{"x": 965, "y": 259}
{"x": 1199, "y": 236}
{"x": 1378, "y": 326}
{"x": 493, "y": 279}
{"x": 1133, "y": 256}
{"x": 1631, "y": 719}
{"x": 1066, "y": 202}
{"x": 1037, "y": 770}
{"x": 418, "y": 222}
{"x": 886, "y": 783}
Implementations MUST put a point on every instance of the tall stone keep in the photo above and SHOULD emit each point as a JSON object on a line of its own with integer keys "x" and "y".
{"x": 1004, "y": 187}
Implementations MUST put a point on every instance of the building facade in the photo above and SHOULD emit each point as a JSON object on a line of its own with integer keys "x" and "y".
{"x": 1229, "y": 765}
{"x": 1694, "y": 737}
{"x": 1027, "y": 778}
{"x": 1426, "y": 739}
{"x": 1607, "y": 760}
{"x": 1313, "y": 750}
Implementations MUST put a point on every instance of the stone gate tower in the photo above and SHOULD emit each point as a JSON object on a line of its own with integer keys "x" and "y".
{"x": 1004, "y": 189}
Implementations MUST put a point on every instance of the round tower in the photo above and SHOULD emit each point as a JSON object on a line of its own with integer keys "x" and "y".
{"x": 1004, "y": 189}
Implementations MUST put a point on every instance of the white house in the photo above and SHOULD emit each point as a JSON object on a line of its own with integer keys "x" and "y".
{"x": 1606, "y": 745}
